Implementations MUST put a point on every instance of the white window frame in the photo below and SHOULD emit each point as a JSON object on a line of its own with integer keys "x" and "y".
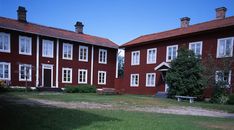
{"x": 86, "y": 76}
{"x": 100, "y": 59}
{"x": 218, "y": 47}
{"x": 9, "y": 42}
{"x": 102, "y": 83}
{"x": 167, "y": 53}
{"x": 30, "y": 72}
{"x": 229, "y": 77}
{"x": 146, "y": 80}
{"x": 132, "y": 77}
{"x": 52, "y": 49}
{"x": 132, "y": 58}
{"x": 87, "y": 53}
{"x": 150, "y": 61}
{"x": 68, "y": 45}
{"x": 30, "y": 45}
{"x": 196, "y": 43}
{"x": 9, "y": 71}
{"x": 67, "y": 69}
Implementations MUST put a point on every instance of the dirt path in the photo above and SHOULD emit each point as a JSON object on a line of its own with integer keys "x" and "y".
{"x": 89, "y": 105}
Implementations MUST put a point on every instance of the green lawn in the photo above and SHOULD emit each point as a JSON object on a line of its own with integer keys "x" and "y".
{"x": 120, "y": 100}
{"x": 21, "y": 117}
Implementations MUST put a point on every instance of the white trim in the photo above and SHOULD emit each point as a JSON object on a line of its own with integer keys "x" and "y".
{"x": 67, "y": 69}
{"x": 47, "y": 66}
{"x": 146, "y": 83}
{"x": 30, "y": 72}
{"x": 100, "y": 83}
{"x": 195, "y": 43}
{"x": 116, "y": 65}
{"x": 131, "y": 78}
{"x": 52, "y": 49}
{"x": 86, "y": 76}
{"x": 162, "y": 64}
{"x": 167, "y": 53}
{"x": 100, "y": 58}
{"x": 30, "y": 46}
{"x": 155, "y": 60}
{"x": 57, "y": 64}
{"x": 218, "y": 47}
{"x": 87, "y": 53}
{"x": 9, "y": 42}
{"x": 91, "y": 74}
{"x": 132, "y": 63}
{"x": 68, "y": 45}
{"x": 9, "y": 70}
{"x": 37, "y": 63}
{"x": 166, "y": 87}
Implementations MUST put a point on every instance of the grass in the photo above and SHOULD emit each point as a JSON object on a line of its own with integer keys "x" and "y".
{"x": 16, "y": 116}
{"x": 136, "y": 100}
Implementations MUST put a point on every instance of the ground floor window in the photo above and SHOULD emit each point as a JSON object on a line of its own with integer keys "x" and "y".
{"x": 134, "y": 80}
{"x": 25, "y": 72}
{"x": 5, "y": 71}
{"x": 67, "y": 75}
{"x": 82, "y": 76}
{"x": 224, "y": 77}
{"x": 150, "y": 79}
{"x": 101, "y": 77}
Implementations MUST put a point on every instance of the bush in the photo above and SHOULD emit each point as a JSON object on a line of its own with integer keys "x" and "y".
{"x": 80, "y": 89}
{"x": 231, "y": 99}
{"x": 220, "y": 94}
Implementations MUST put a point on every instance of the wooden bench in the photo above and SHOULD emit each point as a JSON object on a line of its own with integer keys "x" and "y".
{"x": 102, "y": 91}
{"x": 191, "y": 99}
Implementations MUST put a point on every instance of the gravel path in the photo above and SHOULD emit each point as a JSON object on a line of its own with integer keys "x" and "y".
{"x": 89, "y": 105}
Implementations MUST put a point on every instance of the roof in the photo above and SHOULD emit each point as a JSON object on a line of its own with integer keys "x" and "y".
{"x": 206, "y": 26}
{"x": 32, "y": 28}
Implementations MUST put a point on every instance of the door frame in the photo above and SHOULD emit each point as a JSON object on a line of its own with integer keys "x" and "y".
{"x": 166, "y": 87}
{"x": 47, "y": 66}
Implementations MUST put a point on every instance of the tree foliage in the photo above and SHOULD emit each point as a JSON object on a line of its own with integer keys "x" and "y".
{"x": 185, "y": 75}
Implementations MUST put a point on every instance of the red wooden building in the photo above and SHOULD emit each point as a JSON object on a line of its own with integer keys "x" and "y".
{"x": 148, "y": 56}
{"x": 51, "y": 57}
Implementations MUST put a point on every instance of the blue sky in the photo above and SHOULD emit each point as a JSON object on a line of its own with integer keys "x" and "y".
{"x": 118, "y": 20}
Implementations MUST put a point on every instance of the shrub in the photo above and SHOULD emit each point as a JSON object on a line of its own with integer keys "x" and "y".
{"x": 231, "y": 99}
{"x": 80, "y": 89}
{"x": 220, "y": 94}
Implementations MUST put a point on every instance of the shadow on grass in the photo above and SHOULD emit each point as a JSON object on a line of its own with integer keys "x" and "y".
{"x": 34, "y": 117}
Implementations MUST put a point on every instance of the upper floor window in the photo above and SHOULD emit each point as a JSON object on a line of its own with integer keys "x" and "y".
{"x": 151, "y": 56}
{"x": 135, "y": 59}
{"x": 102, "y": 56}
{"x": 67, "y": 75}
{"x": 83, "y": 53}
{"x": 196, "y": 47}
{"x": 82, "y": 76}
{"x": 225, "y": 47}
{"x": 102, "y": 77}
{"x": 4, "y": 42}
{"x": 223, "y": 77}
{"x": 67, "y": 51}
{"x": 48, "y": 48}
{"x": 25, "y": 45}
{"x": 5, "y": 71}
{"x": 134, "y": 80}
{"x": 150, "y": 79}
{"x": 171, "y": 52}
{"x": 25, "y": 72}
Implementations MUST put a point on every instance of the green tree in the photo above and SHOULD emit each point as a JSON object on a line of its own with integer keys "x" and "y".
{"x": 185, "y": 75}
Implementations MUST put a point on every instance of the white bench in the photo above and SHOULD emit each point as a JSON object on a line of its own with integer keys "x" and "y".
{"x": 191, "y": 99}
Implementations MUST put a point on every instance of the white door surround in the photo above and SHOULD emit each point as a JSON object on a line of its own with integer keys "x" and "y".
{"x": 47, "y": 66}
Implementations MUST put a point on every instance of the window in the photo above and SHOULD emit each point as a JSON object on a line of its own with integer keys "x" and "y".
{"x": 5, "y": 71}
{"x": 67, "y": 75}
{"x": 83, "y": 53}
{"x": 67, "y": 51}
{"x": 221, "y": 76}
{"x": 171, "y": 52}
{"x": 82, "y": 76}
{"x": 102, "y": 56}
{"x": 135, "y": 58}
{"x": 102, "y": 77}
{"x": 196, "y": 47}
{"x": 150, "y": 80}
{"x": 134, "y": 80}
{"x": 25, "y": 72}
{"x": 48, "y": 48}
{"x": 151, "y": 56}
{"x": 4, "y": 42}
{"x": 25, "y": 45}
{"x": 225, "y": 47}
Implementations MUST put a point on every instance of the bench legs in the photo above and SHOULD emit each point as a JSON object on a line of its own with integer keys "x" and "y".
{"x": 191, "y": 100}
{"x": 178, "y": 99}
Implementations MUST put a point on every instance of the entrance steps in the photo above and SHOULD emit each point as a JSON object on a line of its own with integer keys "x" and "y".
{"x": 161, "y": 94}
{"x": 49, "y": 89}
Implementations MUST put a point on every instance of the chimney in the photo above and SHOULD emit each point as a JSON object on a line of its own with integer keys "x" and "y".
{"x": 184, "y": 22}
{"x": 22, "y": 14}
{"x": 79, "y": 27}
{"x": 221, "y": 12}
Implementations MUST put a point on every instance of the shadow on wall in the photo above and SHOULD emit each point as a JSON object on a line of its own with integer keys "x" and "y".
{"x": 36, "y": 116}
